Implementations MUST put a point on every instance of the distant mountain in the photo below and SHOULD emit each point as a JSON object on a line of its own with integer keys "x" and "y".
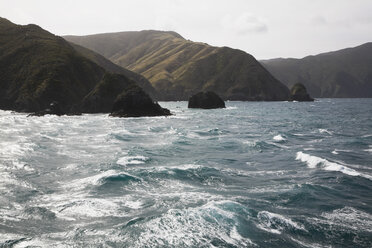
{"x": 38, "y": 68}
{"x": 343, "y": 73}
{"x": 179, "y": 68}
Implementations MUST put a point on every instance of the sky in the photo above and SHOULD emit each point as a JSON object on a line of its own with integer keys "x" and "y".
{"x": 264, "y": 28}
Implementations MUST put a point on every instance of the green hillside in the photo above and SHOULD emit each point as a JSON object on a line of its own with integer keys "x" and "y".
{"x": 113, "y": 68}
{"x": 179, "y": 68}
{"x": 343, "y": 73}
{"x": 38, "y": 68}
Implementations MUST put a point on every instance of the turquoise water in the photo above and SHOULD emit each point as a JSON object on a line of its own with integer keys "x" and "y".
{"x": 256, "y": 174}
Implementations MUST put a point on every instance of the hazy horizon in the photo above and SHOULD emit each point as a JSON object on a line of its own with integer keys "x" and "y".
{"x": 265, "y": 29}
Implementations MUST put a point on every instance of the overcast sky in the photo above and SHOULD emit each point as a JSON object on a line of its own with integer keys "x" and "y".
{"x": 263, "y": 28}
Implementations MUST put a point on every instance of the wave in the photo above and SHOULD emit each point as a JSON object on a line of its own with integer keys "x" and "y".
{"x": 349, "y": 217}
{"x": 39, "y": 213}
{"x": 212, "y": 224}
{"x": 346, "y": 219}
{"x": 130, "y": 160}
{"x": 323, "y": 130}
{"x": 279, "y": 138}
{"x": 276, "y": 223}
{"x": 314, "y": 162}
{"x": 369, "y": 149}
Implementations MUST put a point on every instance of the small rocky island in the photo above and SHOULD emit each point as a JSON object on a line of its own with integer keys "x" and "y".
{"x": 299, "y": 93}
{"x": 206, "y": 100}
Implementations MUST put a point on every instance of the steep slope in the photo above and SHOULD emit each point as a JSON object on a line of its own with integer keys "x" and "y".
{"x": 343, "y": 73}
{"x": 113, "y": 68}
{"x": 38, "y": 68}
{"x": 179, "y": 68}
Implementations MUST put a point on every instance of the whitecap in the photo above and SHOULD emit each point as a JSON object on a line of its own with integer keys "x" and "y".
{"x": 314, "y": 162}
{"x": 276, "y": 223}
{"x": 190, "y": 227}
{"x": 81, "y": 183}
{"x": 369, "y": 149}
{"x": 345, "y": 218}
{"x": 323, "y": 130}
{"x": 349, "y": 217}
{"x": 231, "y": 108}
{"x": 133, "y": 204}
{"x": 89, "y": 207}
{"x": 279, "y": 138}
{"x": 129, "y": 160}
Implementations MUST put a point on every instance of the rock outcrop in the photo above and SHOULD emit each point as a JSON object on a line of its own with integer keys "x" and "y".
{"x": 299, "y": 93}
{"x": 134, "y": 102}
{"x": 206, "y": 100}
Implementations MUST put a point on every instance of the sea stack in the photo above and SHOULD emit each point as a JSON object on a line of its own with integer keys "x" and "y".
{"x": 134, "y": 102}
{"x": 206, "y": 100}
{"x": 299, "y": 93}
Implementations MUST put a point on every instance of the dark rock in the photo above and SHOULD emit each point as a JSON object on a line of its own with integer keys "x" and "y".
{"x": 54, "y": 109}
{"x": 134, "y": 102}
{"x": 206, "y": 100}
{"x": 299, "y": 93}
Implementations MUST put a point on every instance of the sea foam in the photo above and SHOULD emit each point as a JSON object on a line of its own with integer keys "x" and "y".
{"x": 314, "y": 162}
{"x": 279, "y": 138}
{"x": 276, "y": 223}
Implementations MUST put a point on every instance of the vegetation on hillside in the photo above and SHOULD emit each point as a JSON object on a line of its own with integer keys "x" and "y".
{"x": 38, "y": 68}
{"x": 179, "y": 68}
{"x": 343, "y": 73}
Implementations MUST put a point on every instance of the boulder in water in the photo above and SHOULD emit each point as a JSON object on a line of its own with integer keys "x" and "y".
{"x": 134, "y": 102}
{"x": 299, "y": 93}
{"x": 53, "y": 109}
{"x": 206, "y": 100}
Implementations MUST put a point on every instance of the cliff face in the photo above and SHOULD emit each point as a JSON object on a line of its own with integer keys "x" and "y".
{"x": 38, "y": 68}
{"x": 178, "y": 68}
{"x": 343, "y": 73}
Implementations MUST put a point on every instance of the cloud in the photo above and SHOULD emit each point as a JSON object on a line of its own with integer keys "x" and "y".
{"x": 244, "y": 24}
{"x": 166, "y": 23}
{"x": 319, "y": 20}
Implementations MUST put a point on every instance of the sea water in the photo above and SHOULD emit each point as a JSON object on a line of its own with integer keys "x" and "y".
{"x": 256, "y": 174}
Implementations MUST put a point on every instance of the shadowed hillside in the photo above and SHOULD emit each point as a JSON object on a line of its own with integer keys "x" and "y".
{"x": 113, "y": 68}
{"x": 343, "y": 73}
{"x": 38, "y": 68}
{"x": 179, "y": 68}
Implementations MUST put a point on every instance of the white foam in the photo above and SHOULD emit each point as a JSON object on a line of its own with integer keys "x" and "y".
{"x": 276, "y": 223}
{"x": 334, "y": 152}
{"x": 231, "y": 108}
{"x": 314, "y": 162}
{"x": 313, "y": 245}
{"x": 128, "y": 160}
{"x": 81, "y": 183}
{"x": 346, "y": 218}
{"x": 90, "y": 207}
{"x": 190, "y": 227}
{"x": 322, "y": 130}
{"x": 369, "y": 149}
{"x": 133, "y": 204}
{"x": 279, "y": 138}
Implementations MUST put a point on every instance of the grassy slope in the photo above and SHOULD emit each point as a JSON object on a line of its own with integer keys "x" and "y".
{"x": 343, "y": 73}
{"x": 37, "y": 68}
{"x": 113, "y": 68}
{"x": 178, "y": 68}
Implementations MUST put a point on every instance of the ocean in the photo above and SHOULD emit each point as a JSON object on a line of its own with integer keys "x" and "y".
{"x": 256, "y": 174}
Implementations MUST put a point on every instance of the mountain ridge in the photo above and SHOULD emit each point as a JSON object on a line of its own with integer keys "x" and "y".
{"x": 341, "y": 73}
{"x": 178, "y": 68}
{"x": 39, "y": 70}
